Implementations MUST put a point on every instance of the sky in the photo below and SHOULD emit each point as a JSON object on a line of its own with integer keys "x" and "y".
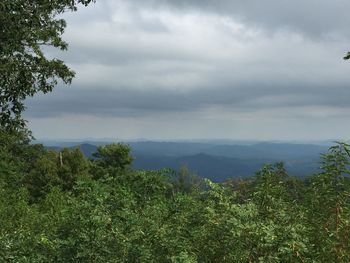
{"x": 201, "y": 69}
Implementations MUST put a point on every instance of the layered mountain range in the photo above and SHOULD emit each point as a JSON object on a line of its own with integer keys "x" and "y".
{"x": 217, "y": 161}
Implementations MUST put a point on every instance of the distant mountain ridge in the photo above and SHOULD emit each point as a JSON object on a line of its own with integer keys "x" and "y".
{"x": 219, "y": 161}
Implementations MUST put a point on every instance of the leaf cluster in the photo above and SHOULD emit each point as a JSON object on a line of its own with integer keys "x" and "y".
{"x": 26, "y": 29}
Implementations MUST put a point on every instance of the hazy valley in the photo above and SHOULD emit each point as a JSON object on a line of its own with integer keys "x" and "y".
{"x": 216, "y": 161}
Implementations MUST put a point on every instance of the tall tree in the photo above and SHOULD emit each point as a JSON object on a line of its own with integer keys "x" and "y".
{"x": 25, "y": 28}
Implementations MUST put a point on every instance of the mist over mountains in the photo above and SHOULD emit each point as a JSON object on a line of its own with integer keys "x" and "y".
{"x": 216, "y": 160}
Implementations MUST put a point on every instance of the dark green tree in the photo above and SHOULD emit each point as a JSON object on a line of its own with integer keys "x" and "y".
{"x": 115, "y": 155}
{"x": 328, "y": 197}
{"x": 186, "y": 181}
{"x": 72, "y": 164}
{"x": 25, "y": 28}
{"x": 43, "y": 175}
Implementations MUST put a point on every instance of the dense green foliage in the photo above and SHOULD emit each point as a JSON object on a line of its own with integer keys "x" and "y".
{"x": 62, "y": 207}
{"x": 25, "y": 28}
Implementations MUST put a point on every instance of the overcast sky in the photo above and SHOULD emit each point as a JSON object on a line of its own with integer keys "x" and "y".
{"x": 194, "y": 69}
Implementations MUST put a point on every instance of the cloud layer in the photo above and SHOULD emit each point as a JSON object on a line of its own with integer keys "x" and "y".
{"x": 202, "y": 64}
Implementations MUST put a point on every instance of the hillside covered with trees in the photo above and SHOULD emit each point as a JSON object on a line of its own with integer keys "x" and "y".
{"x": 59, "y": 206}
{"x": 62, "y": 207}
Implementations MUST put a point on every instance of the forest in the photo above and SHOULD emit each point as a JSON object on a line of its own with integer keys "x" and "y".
{"x": 63, "y": 207}
{"x": 60, "y": 206}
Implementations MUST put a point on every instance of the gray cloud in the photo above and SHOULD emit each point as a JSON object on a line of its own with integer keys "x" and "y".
{"x": 313, "y": 17}
{"x": 220, "y": 62}
{"x": 135, "y": 103}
